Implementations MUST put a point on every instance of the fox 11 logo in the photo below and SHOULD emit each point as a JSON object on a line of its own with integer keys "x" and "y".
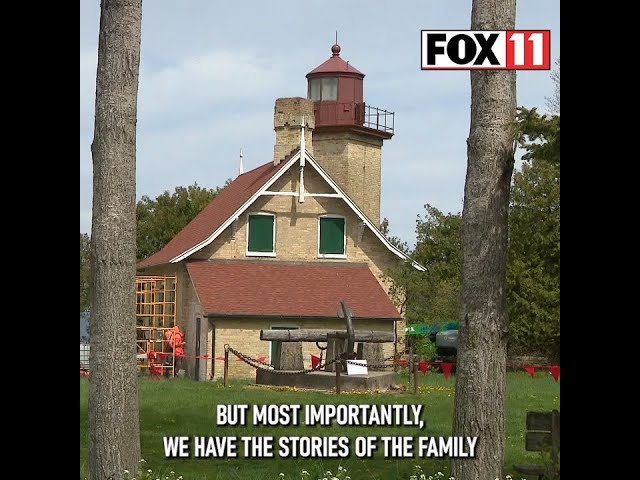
{"x": 486, "y": 49}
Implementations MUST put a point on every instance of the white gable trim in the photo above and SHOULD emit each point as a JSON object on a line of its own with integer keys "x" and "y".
{"x": 361, "y": 214}
{"x": 311, "y": 161}
{"x": 237, "y": 213}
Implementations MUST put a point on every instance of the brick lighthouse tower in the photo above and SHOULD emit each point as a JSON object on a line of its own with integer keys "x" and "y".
{"x": 348, "y": 134}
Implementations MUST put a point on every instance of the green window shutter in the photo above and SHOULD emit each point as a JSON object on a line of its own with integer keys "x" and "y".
{"x": 261, "y": 233}
{"x": 332, "y": 235}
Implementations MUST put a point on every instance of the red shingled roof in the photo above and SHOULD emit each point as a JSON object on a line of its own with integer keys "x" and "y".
{"x": 335, "y": 64}
{"x": 228, "y": 201}
{"x": 284, "y": 289}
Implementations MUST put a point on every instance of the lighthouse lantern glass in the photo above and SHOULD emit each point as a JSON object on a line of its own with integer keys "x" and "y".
{"x": 321, "y": 89}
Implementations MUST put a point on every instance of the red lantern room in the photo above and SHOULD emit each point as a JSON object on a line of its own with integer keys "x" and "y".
{"x": 336, "y": 88}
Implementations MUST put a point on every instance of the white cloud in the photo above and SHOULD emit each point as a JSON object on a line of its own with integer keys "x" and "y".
{"x": 200, "y": 81}
{"x": 206, "y": 152}
{"x": 210, "y": 74}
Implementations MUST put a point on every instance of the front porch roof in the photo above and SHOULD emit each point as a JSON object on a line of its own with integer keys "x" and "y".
{"x": 286, "y": 289}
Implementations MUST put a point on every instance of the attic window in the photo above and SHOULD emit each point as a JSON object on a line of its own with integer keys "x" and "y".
{"x": 332, "y": 239}
{"x": 261, "y": 235}
{"x": 323, "y": 89}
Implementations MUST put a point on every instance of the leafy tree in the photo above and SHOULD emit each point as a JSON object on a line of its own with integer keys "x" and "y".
{"x": 534, "y": 259}
{"x": 539, "y": 135}
{"x": 431, "y": 297}
{"x": 534, "y": 239}
{"x": 533, "y": 266}
{"x": 160, "y": 219}
{"x": 397, "y": 242}
{"x": 439, "y": 249}
{"x": 85, "y": 268}
{"x": 482, "y": 341}
{"x": 114, "y": 429}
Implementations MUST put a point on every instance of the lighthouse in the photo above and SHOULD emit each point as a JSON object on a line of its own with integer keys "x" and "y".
{"x": 349, "y": 133}
{"x": 343, "y": 132}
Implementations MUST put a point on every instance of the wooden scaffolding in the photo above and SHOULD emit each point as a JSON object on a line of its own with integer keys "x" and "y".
{"x": 155, "y": 314}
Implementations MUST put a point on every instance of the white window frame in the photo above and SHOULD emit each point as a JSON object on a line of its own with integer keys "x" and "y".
{"x": 260, "y": 254}
{"x": 344, "y": 247}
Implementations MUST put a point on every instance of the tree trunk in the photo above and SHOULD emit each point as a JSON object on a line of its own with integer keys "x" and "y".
{"x": 481, "y": 364}
{"x": 114, "y": 431}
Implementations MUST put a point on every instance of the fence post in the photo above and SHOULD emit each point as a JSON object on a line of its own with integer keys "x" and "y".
{"x": 338, "y": 368}
{"x": 410, "y": 361}
{"x": 197, "y": 365}
{"x": 226, "y": 367}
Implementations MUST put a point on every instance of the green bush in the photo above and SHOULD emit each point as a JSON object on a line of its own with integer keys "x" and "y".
{"x": 425, "y": 348}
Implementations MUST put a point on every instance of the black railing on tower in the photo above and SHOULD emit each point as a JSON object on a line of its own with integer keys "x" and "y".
{"x": 379, "y": 119}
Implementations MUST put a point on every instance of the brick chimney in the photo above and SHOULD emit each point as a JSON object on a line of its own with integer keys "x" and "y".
{"x": 288, "y": 116}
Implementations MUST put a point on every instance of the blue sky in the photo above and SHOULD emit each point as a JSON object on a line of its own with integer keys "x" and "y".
{"x": 210, "y": 73}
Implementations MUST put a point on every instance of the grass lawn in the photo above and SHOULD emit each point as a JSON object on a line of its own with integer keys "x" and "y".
{"x": 185, "y": 408}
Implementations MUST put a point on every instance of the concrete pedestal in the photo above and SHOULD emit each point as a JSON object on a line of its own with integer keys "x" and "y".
{"x": 327, "y": 380}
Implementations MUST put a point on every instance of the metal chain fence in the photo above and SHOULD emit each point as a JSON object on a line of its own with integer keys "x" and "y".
{"x": 259, "y": 364}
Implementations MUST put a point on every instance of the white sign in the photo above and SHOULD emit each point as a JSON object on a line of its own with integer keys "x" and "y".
{"x": 357, "y": 367}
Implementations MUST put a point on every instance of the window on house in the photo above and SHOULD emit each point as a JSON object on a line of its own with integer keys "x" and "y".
{"x": 332, "y": 236}
{"x": 261, "y": 235}
{"x": 323, "y": 89}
